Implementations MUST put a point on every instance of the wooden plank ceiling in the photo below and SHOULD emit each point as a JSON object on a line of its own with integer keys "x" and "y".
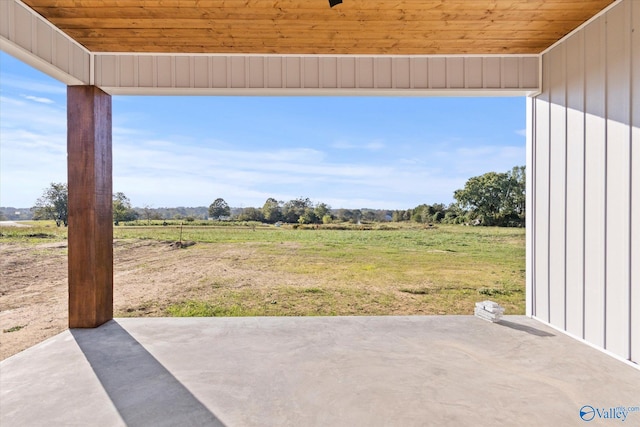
{"x": 312, "y": 27}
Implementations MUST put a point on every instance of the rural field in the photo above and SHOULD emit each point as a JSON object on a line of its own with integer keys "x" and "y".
{"x": 259, "y": 270}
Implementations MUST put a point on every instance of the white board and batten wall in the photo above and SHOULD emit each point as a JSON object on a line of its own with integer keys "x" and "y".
{"x": 585, "y": 167}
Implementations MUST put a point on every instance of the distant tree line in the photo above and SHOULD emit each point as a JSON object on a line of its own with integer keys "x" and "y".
{"x": 9, "y": 213}
{"x": 304, "y": 211}
{"x": 494, "y": 199}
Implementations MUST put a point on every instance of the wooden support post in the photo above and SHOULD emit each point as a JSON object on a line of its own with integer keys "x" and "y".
{"x": 89, "y": 168}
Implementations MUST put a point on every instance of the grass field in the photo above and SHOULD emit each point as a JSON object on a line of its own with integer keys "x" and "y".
{"x": 363, "y": 270}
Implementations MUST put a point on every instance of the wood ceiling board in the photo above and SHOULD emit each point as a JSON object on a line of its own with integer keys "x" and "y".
{"x": 312, "y": 27}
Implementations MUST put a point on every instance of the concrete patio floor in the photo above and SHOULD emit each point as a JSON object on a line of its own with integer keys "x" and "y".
{"x": 314, "y": 371}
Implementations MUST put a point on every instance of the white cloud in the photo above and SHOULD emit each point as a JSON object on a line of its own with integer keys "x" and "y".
{"x": 161, "y": 172}
{"x": 348, "y": 145}
{"x": 486, "y": 158}
{"x": 374, "y": 145}
{"x": 521, "y": 132}
{"x": 32, "y": 149}
{"x": 39, "y": 99}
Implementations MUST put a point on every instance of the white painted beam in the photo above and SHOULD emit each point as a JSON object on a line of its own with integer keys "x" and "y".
{"x": 35, "y": 41}
{"x": 379, "y": 75}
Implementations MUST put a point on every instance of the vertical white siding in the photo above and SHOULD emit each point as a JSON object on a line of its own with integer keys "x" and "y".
{"x": 541, "y": 204}
{"x": 557, "y": 184}
{"x": 618, "y": 180}
{"x": 530, "y": 201}
{"x": 635, "y": 184}
{"x": 595, "y": 156}
{"x": 491, "y": 72}
{"x": 456, "y": 72}
{"x": 575, "y": 226}
{"x": 5, "y": 22}
{"x": 586, "y": 207}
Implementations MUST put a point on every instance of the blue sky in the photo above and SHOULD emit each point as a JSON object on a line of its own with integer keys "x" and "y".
{"x": 350, "y": 152}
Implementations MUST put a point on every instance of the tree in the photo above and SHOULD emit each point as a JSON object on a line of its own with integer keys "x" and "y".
{"x": 147, "y": 210}
{"x": 383, "y": 215}
{"x": 421, "y": 213}
{"x": 344, "y": 215}
{"x": 517, "y": 197}
{"x": 272, "y": 211}
{"x": 321, "y": 210}
{"x": 53, "y": 204}
{"x": 122, "y": 210}
{"x": 495, "y": 198}
{"x": 309, "y": 217}
{"x": 294, "y": 209}
{"x": 369, "y": 215}
{"x": 219, "y": 208}
{"x": 251, "y": 214}
{"x": 454, "y": 214}
{"x": 357, "y": 215}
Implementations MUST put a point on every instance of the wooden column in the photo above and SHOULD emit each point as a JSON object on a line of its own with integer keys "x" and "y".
{"x": 89, "y": 167}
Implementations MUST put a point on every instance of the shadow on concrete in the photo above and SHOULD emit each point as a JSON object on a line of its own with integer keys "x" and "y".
{"x": 524, "y": 328}
{"x": 143, "y": 391}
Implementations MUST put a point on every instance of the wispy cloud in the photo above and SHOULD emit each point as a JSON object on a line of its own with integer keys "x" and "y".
{"x": 32, "y": 149}
{"x": 151, "y": 170}
{"x": 472, "y": 161}
{"x": 374, "y": 145}
{"x": 39, "y": 99}
{"x": 349, "y": 145}
{"x": 207, "y": 173}
{"x": 521, "y": 132}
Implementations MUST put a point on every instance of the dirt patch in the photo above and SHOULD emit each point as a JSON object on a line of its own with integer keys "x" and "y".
{"x": 148, "y": 276}
{"x": 12, "y": 224}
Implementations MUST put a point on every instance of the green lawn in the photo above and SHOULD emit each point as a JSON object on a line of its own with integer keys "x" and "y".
{"x": 387, "y": 269}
